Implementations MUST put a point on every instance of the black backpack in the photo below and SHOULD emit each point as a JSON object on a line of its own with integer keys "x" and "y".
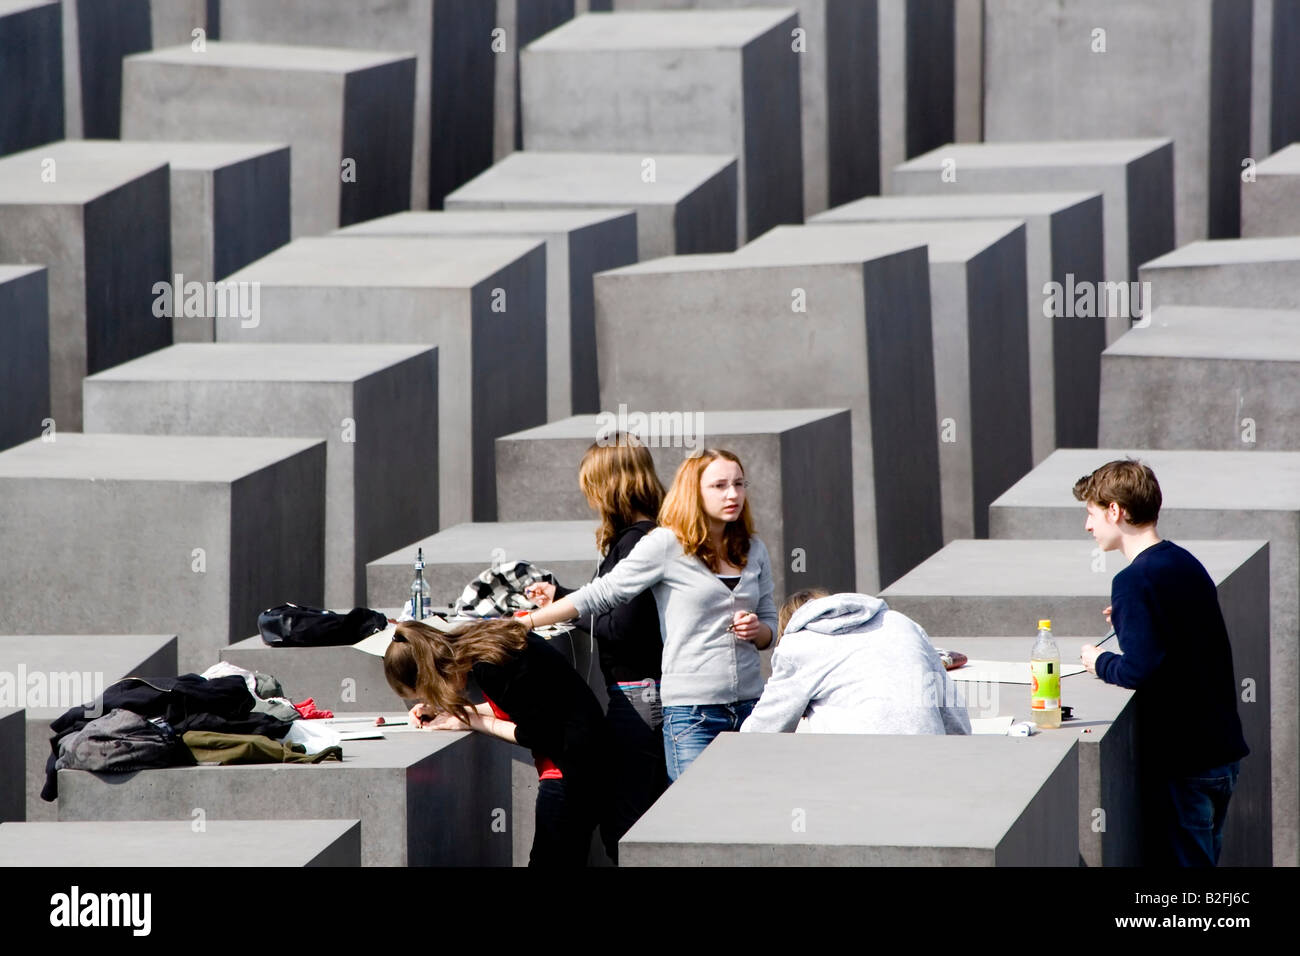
{"x": 290, "y": 625}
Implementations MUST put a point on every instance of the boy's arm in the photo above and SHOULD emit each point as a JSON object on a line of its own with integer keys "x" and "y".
{"x": 787, "y": 693}
{"x": 1136, "y": 620}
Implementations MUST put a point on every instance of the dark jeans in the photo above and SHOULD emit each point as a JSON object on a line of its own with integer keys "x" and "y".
{"x": 565, "y": 818}
{"x": 638, "y": 770}
{"x": 1196, "y": 807}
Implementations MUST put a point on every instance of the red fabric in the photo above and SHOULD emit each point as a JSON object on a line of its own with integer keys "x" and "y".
{"x": 307, "y": 710}
{"x": 546, "y": 769}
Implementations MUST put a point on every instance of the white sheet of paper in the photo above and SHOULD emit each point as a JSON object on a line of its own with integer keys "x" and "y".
{"x": 1004, "y": 672}
{"x": 997, "y": 726}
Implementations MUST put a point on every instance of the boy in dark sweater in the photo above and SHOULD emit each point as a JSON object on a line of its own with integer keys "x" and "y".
{"x": 1165, "y": 611}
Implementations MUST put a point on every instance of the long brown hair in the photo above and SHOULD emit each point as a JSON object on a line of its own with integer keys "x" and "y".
{"x": 618, "y": 477}
{"x": 426, "y": 664}
{"x": 683, "y": 512}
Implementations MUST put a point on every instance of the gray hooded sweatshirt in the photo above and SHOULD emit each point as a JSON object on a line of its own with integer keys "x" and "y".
{"x": 857, "y": 667}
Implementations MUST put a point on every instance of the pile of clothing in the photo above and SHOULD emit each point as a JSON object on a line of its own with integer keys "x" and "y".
{"x": 225, "y": 715}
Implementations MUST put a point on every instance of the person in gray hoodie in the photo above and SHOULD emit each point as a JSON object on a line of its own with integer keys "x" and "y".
{"x": 853, "y": 666}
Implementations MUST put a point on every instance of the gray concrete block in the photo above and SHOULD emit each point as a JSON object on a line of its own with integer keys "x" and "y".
{"x": 13, "y": 752}
{"x": 1270, "y": 206}
{"x": 482, "y": 302}
{"x": 1284, "y": 70}
{"x": 980, "y": 343}
{"x": 127, "y": 843}
{"x": 996, "y": 587}
{"x": 230, "y": 206}
{"x": 866, "y": 800}
{"x": 701, "y": 81}
{"x": 91, "y": 217}
{"x": 1063, "y": 243}
{"x": 424, "y": 798}
{"x": 579, "y": 243}
{"x": 363, "y": 401}
{"x": 838, "y": 100}
{"x": 1135, "y": 178}
{"x": 1104, "y": 724}
{"x": 1261, "y": 273}
{"x": 52, "y": 673}
{"x": 455, "y": 556}
{"x": 96, "y": 36}
{"x": 797, "y": 460}
{"x": 341, "y": 679}
{"x": 1223, "y": 378}
{"x": 452, "y": 44}
{"x": 850, "y": 328}
{"x": 917, "y": 78}
{"x": 345, "y": 114}
{"x": 31, "y": 86}
{"x": 174, "y": 21}
{"x": 24, "y": 353}
{"x": 196, "y": 535}
{"x": 521, "y": 23}
{"x": 1208, "y": 494}
{"x": 685, "y": 203}
{"x": 1162, "y": 68}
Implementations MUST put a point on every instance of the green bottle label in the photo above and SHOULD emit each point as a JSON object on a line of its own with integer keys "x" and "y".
{"x": 1046, "y": 693}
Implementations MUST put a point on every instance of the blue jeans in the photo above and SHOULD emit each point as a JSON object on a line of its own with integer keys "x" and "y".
{"x": 689, "y": 728}
{"x": 1197, "y": 808}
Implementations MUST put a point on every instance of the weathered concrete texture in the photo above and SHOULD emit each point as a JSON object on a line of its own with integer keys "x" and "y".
{"x": 230, "y": 206}
{"x": 1134, "y": 177}
{"x": 981, "y": 350}
{"x": 1222, "y": 378}
{"x": 345, "y": 114}
{"x": 31, "y": 84}
{"x": 1208, "y": 494}
{"x": 685, "y": 203}
{"x": 1177, "y": 68}
{"x": 363, "y": 401}
{"x": 51, "y": 673}
{"x": 1108, "y": 756}
{"x": 849, "y": 328}
{"x": 579, "y": 243}
{"x": 522, "y": 23}
{"x": 454, "y": 64}
{"x": 701, "y": 81}
{"x": 839, "y": 104}
{"x": 174, "y": 21}
{"x": 1063, "y": 237}
{"x": 917, "y": 48}
{"x": 424, "y": 798}
{"x": 456, "y": 556}
{"x": 96, "y": 36}
{"x": 866, "y": 800}
{"x": 195, "y": 535}
{"x": 799, "y": 462}
{"x": 1270, "y": 206}
{"x": 24, "y": 353}
{"x": 482, "y": 302}
{"x": 236, "y": 843}
{"x": 993, "y": 587}
{"x": 13, "y": 747}
{"x": 1237, "y": 273}
{"x": 341, "y": 679}
{"x": 91, "y": 216}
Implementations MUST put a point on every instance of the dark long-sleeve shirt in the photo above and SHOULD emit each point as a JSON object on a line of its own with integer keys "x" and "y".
{"x": 1165, "y": 610}
{"x": 554, "y": 711}
{"x": 628, "y": 637}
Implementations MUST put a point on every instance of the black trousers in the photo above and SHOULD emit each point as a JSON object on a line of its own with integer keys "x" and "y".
{"x": 638, "y": 771}
{"x": 566, "y": 817}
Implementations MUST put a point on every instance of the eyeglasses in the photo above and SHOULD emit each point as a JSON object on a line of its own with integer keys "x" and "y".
{"x": 740, "y": 484}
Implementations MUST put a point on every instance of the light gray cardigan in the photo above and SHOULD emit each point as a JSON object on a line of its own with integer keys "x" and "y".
{"x": 703, "y": 662}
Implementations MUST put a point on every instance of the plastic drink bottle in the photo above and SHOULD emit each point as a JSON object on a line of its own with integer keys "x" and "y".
{"x": 1045, "y": 671}
{"x": 419, "y": 589}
